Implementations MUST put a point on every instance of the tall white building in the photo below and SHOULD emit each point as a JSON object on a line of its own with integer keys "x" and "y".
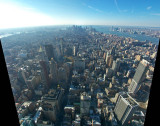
{"x": 125, "y": 108}
{"x": 139, "y": 76}
{"x": 74, "y": 50}
{"x": 116, "y": 65}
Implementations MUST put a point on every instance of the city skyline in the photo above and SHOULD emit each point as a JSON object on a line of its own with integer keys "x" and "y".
{"x": 22, "y": 13}
{"x": 79, "y": 76}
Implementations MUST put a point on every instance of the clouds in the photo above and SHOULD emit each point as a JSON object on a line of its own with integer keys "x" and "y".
{"x": 95, "y": 9}
{"x": 149, "y": 7}
{"x": 156, "y": 14}
{"x": 119, "y": 10}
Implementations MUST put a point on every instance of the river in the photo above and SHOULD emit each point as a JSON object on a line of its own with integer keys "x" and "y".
{"x": 107, "y": 30}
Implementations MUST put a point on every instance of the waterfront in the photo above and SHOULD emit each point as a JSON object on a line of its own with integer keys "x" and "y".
{"x": 107, "y": 30}
{"x": 104, "y": 29}
{"x": 74, "y": 76}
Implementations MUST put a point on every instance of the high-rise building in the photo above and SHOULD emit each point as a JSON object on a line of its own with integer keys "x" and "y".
{"x": 68, "y": 68}
{"x": 68, "y": 51}
{"x": 100, "y": 99}
{"x": 109, "y": 72}
{"x": 53, "y": 70}
{"x": 113, "y": 51}
{"x": 21, "y": 75}
{"x": 74, "y": 50}
{"x": 62, "y": 50}
{"x": 49, "y": 51}
{"x": 42, "y": 55}
{"x": 139, "y": 76}
{"x": 51, "y": 103}
{"x": 85, "y": 100}
{"x": 45, "y": 73}
{"x": 125, "y": 108}
{"x": 79, "y": 64}
{"x": 109, "y": 60}
{"x": 62, "y": 77}
{"x": 31, "y": 82}
{"x": 106, "y": 57}
{"x": 116, "y": 65}
{"x": 58, "y": 53}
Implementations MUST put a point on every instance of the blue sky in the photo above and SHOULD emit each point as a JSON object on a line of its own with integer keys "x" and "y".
{"x": 20, "y": 13}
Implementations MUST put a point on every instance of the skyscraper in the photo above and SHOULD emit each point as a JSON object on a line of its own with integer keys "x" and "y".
{"x": 62, "y": 50}
{"x": 139, "y": 76}
{"x": 58, "y": 53}
{"x": 125, "y": 108}
{"x": 79, "y": 64}
{"x": 106, "y": 58}
{"x": 21, "y": 75}
{"x": 49, "y": 51}
{"x": 53, "y": 70}
{"x": 74, "y": 50}
{"x": 109, "y": 61}
{"x": 62, "y": 77}
{"x": 45, "y": 73}
{"x": 85, "y": 103}
{"x": 116, "y": 65}
{"x": 113, "y": 51}
{"x": 42, "y": 55}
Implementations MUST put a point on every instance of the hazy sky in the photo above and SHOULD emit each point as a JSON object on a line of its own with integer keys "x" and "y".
{"x": 20, "y": 13}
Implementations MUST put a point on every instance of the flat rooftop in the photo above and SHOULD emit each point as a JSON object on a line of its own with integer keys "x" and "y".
{"x": 130, "y": 100}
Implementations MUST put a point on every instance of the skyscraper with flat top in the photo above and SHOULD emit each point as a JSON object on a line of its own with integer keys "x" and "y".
{"x": 139, "y": 76}
{"x": 49, "y": 51}
{"x": 109, "y": 61}
{"x": 74, "y": 50}
{"x": 53, "y": 70}
{"x": 45, "y": 73}
{"x": 125, "y": 108}
{"x": 85, "y": 100}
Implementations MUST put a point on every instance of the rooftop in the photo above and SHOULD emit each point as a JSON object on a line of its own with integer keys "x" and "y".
{"x": 130, "y": 100}
{"x": 145, "y": 62}
{"x": 85, "y": 96}
{"x": 52, "y": 95}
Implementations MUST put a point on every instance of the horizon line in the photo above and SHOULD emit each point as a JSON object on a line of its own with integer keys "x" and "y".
{"x": 77, "y": 25}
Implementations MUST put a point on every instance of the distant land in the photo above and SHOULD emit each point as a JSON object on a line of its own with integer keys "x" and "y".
{"x": 100, "y": 28}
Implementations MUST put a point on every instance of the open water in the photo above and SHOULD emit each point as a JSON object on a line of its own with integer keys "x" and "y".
{"x": 107, "y": 30}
